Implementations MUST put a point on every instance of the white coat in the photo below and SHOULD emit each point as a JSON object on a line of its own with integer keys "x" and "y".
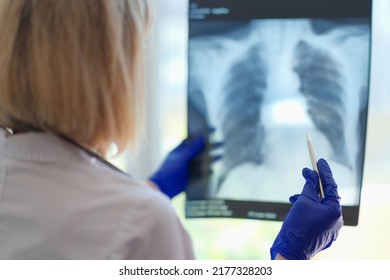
{"x": 58, "y": 202}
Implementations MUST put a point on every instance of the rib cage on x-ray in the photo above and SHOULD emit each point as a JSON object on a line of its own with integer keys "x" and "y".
{"x": 322, "y": 86}
{"x": 244, "y": 91}
{"x": 236, "y": 89}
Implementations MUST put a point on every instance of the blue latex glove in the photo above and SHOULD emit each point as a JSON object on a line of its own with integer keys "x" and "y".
{"x": 311, "y": 225}
{"x": 172, "y": 177}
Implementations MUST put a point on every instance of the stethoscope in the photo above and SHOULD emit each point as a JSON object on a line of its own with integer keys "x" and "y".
{"x": 92, "y": 154}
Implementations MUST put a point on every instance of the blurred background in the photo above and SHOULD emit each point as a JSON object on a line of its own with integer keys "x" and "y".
{"x": 246, "y": 239}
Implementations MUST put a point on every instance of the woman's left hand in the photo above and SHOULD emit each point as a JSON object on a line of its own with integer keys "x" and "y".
{"x": 173, "y": 175}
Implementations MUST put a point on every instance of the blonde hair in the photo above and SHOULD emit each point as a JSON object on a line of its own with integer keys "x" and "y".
{"x": 74, "y": 67}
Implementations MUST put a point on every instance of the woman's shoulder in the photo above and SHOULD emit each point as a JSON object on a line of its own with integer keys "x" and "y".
{"x": 150, "y": 227}
{"x": 140, "y": 219}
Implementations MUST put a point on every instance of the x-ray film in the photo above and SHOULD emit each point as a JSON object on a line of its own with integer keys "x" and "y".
{"x": 262, "y": 75}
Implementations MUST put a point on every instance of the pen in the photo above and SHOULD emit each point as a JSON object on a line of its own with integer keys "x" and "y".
{"x": 314, "y": 164}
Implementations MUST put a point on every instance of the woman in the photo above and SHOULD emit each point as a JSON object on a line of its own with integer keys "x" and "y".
{"x": 71, "y": 84}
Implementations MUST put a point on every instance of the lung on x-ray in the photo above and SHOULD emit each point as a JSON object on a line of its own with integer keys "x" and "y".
{"x": 259, "y": 83}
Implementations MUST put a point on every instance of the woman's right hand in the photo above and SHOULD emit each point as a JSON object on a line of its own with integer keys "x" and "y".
{"x": 311, "y": 224}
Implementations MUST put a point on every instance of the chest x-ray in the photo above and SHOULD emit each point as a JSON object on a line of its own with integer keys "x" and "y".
{"x": 263, "y": 84}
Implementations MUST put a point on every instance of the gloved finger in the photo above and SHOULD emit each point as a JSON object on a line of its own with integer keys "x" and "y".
{"x": 330, "y": 186}
{"x": 216, "y": 145}
{"x": 311, "y": 187}
{"x": 191, "y": 147}
{"x": 294, "y": 198}
{"x": 310, "y": 176}
{"x": 216, "y": 158}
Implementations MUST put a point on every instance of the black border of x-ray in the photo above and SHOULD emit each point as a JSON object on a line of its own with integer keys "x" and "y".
{"x": 241, "y": 208}
{"x": 277, "y": 211}
{"x": 252, "y": 9}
